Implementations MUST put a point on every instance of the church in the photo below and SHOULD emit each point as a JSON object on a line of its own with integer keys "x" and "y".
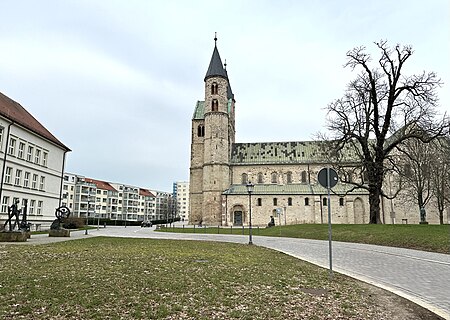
{"x": 284, "y": 174}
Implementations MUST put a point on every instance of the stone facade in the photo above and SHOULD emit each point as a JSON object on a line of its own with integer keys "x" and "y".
{"x": 284, "y": 174}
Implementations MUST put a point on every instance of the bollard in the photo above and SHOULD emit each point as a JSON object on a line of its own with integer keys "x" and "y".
{"x": 242, "y": 230}
{"x": 194, "y": 228}
{"x": 218, "y": 229}
{"x": 205, "y": 228}
{"x": 231, "y": 229}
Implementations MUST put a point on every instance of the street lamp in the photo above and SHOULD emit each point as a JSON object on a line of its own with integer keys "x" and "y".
{"x": 250, "y": 188}
{"x": 87, "y": 213}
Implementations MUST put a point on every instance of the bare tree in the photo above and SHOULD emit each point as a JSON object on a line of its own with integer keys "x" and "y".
{"x": 381, "y": 109}
{"x": 415, "y": 166}
{"x": 440, "y": 176}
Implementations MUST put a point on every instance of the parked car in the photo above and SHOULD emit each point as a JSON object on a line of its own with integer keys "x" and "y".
{"x": 146, "y": 224}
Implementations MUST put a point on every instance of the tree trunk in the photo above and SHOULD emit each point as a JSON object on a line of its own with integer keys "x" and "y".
{"x": 441, "y": 216}
{"x": 374, "y": 203}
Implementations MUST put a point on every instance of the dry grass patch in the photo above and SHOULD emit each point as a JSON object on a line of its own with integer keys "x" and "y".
{"x": 113, "y": 278}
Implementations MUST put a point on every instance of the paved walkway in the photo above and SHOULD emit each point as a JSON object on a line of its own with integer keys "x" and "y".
{"x": 422, "y": 277}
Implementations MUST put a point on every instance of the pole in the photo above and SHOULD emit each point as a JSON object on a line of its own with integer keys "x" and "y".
{"x": 329, "y": 224}
{"x": 87, "y": 213}
{"x": 250, "y": 224}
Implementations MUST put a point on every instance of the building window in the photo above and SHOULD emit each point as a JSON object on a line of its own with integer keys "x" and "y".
{"x": 42, "y": 183}
{"x": 259, "y": 202}
{"x": 12, "y": 146}
{"x": 215, "y": 105}
{"x": 306, "y": 201}
{"x": 214, "y": 88}
{"x": 303, "y": 177}
{"x": 44, "y": 158}
{"x": 289, "y": 201}
{"x": 31, "y": 207}
{"x": 366, "y": 175}
{"x": 201, "y": 131}
{"x": 324, "y": 201}
{"x": 34, "y": 181}
{"x": 341, "y": 202}
{"x": 244, "y": 178}
{"x": 21, "y": 150}
{"x": 260, "y": 178}
{"x": 274, "y": 177}
{"x": 37, "y": 156}
{"x": 275, "y": 201}
{"x": 5, "y": 204}
{"x": 289, "y": 177}
{"x": 18, "y": 179}
{"x": 26, "y": 180}
{"x": 8, "y": 173}
{"x": 30, "y": 153}
{"x": 39, "y": 208}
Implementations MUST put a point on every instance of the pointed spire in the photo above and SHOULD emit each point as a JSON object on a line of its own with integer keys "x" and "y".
{"x": 215, "y": 66}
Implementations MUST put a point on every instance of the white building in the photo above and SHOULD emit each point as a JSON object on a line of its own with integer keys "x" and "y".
{"x": 87, "y": 197}
{"x": 32, "y": 165}
{"x": 181, "y": 195}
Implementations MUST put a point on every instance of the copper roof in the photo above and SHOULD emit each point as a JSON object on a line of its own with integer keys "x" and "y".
{"x": 101, "y": 184}
{"x": 146, "y": 193}
{"x": 13, "y": 111}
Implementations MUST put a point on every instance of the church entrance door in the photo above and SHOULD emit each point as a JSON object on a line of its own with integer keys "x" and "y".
{"x": 237, "y": 218}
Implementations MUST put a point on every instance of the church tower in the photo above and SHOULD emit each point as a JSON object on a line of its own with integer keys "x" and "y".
{"x": 212, "y": 134}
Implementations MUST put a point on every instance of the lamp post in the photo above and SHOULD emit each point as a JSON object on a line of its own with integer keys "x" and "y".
{"x": 87, "y": 214}
{"x": 250, "y": 188}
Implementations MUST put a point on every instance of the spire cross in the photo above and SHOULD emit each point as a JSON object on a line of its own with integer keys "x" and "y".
{"x": 225, "y": 64}
{"x": 215, "y": 38}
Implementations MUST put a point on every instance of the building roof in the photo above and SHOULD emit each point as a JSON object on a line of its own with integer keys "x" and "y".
{"x": 283, "y": 153}
{"x": 14, "y": 112}
{"x": 199, "y": 112}
{"x": 293, "y": 189}
{"x": 216, "y": 68}
{"x": 146, "y": 193}
{"x": 101, "y": 184}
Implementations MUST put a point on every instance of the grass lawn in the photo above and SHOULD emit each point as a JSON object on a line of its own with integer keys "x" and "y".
{"x": 434, "y": 238}
{"x": 117, "y": 278}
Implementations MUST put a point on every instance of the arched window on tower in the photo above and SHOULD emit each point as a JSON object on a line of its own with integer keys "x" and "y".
{"x": 214, "y": 88}
{"x": 215, "y": 105}
{"x": 201, "y": 131}
{"x": 244, "y": 178}
{"x": 289, "y": 201}
{"x": 260, "y": 178}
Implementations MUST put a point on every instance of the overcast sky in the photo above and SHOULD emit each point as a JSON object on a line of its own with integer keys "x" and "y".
{"x": 117, "y": 81}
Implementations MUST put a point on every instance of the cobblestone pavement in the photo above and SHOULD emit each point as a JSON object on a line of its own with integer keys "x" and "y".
{"x": 422, "y": 277}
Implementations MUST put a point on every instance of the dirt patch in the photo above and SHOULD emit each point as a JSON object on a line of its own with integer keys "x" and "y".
{"x": 399, "y": 308}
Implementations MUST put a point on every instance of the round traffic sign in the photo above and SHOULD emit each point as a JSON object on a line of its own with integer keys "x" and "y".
{"x": 323, "y": 177}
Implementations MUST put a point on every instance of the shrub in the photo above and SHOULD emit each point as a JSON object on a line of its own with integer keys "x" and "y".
{"x": 73, "y": 223}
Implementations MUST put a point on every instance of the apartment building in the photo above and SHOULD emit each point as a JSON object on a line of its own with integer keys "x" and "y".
{"x": 93, "y": 199}
{"x": 32, "y": 162}
{"x": 181, "y": 198}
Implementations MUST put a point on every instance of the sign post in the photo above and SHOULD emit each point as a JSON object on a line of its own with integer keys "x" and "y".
{"x": 328, "y": 178}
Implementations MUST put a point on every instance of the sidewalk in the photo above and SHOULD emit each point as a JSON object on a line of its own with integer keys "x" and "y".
{"x": 422, "y": 277}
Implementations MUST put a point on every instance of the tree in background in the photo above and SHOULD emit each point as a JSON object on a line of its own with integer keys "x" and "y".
{"x": 381, "y": 109}
{"x": 415, "y": 168}
{"x": 440, "y": 176}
